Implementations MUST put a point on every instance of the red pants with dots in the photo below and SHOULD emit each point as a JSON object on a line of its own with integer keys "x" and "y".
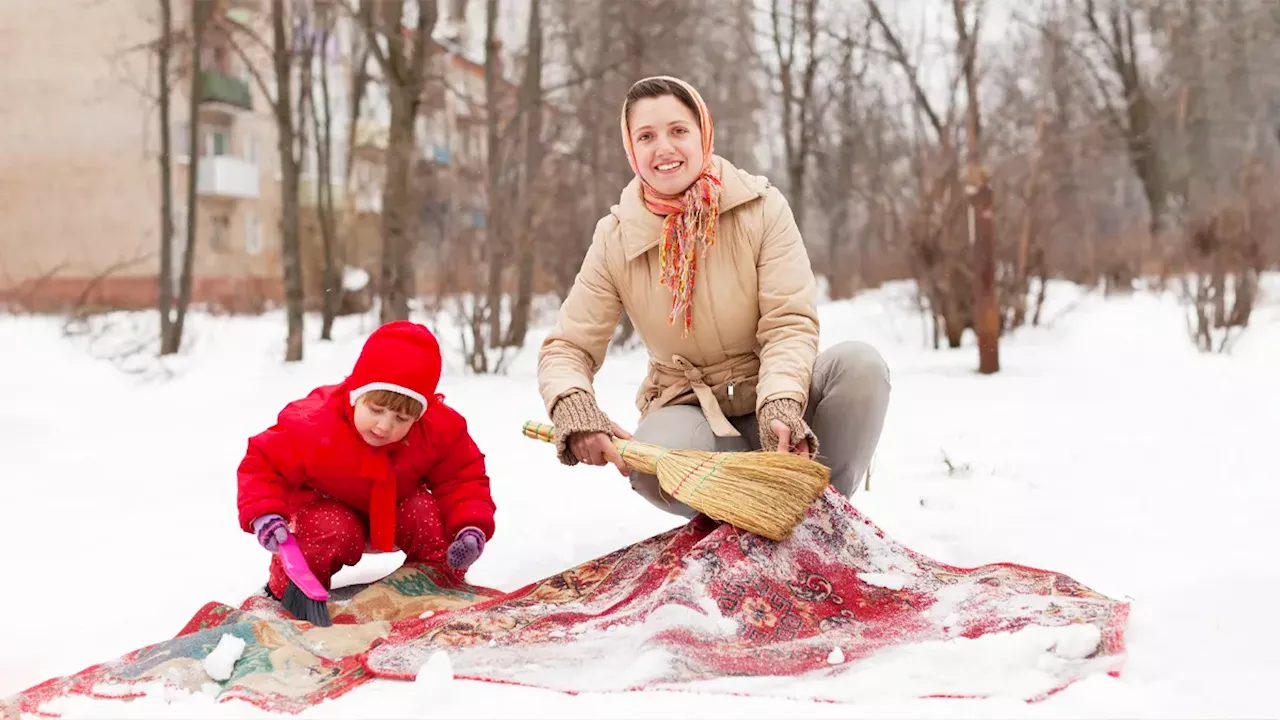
{"x": 331, "y": 534}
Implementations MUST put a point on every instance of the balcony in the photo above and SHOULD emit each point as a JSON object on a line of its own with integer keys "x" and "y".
{"x": 216, "y": 87}
{"x": 309, "y": 191}
{"x": 227, "y": 177}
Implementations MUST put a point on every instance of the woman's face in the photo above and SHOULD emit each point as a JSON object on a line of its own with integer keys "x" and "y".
{"x": 667, "y": 143}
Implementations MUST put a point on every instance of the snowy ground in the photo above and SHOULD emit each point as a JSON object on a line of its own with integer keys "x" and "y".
{"x": 1106, "y": 449}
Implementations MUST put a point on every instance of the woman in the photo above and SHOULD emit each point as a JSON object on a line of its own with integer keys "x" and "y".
{"x": 708, "y": 263}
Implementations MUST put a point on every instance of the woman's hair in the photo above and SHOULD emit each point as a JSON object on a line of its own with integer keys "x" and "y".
{"x": 393, "y": 401}
{"x": 660, "y": 87}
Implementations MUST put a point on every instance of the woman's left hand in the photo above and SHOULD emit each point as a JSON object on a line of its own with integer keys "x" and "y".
{"x": 784, "y": 440}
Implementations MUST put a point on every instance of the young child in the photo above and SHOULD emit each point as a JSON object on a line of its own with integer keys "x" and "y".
{"x": 376, "y": 463}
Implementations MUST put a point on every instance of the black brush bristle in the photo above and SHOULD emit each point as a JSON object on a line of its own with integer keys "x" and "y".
{"x": 304, "y": 608}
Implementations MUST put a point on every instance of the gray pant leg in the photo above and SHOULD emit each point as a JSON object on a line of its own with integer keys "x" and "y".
{"x": 848, "y": 400}
{"x": 680, "y": 427}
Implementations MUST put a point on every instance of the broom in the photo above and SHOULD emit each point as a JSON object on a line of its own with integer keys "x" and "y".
{"x": 766, "y": 493}
{"x": 304, "y": 596}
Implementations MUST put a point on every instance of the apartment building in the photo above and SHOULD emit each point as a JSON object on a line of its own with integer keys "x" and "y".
{"x": 80, "y": 185}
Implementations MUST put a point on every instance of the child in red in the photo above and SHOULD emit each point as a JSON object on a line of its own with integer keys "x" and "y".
{"x": 377, "y": 462}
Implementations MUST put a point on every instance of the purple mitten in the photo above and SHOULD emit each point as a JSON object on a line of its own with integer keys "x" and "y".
{"x": 466, "y": 548}
{"x": 271, "y": 530}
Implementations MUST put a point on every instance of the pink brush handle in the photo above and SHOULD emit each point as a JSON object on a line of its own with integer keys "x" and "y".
{"x": 295, "y": 566}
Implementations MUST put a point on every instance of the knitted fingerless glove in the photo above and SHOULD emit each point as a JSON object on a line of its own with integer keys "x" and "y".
{"x": 791, "y": 413}
{"x": 575, "y": 413}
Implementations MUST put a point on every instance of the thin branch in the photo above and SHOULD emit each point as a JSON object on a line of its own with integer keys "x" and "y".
{"x": 240, "y": 52}
{"x": 365, "y": 20}
{"x": 908, "y": 68}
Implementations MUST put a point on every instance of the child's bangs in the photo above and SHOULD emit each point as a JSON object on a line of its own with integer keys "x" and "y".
{"x": 394, "y": 401}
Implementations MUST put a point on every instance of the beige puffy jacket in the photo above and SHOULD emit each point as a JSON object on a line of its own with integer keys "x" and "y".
{"x": 755, "y": 321}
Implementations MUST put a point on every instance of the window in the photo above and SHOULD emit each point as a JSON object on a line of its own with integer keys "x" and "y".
{"x": 252, "y": 234}
{"x": 218, "y": 237}
{"x": 216, "y": 142}
{"x": 251, "y": 149}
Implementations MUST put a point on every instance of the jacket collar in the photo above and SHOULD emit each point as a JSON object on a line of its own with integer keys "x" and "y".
{"x": 642, "y": 230}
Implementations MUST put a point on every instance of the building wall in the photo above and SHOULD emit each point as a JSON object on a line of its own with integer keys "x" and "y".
{"x": 79, "y": 196}
{"x": 79, "y": 185}
{"x": 76, "y": 181}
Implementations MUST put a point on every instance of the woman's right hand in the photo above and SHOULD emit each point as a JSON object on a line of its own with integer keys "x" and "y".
{"x": 596, "y": 448}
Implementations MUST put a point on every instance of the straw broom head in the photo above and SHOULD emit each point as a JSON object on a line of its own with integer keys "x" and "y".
{"x": 766, "y": 493}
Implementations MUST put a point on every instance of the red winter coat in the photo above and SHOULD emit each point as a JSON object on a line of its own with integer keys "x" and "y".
{"x": 314, "y": 449}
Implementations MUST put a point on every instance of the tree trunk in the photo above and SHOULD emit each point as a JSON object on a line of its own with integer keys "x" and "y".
{"x": 986, "y": 302}
{"x": 797, "y": 89}
{"x": 495, "y": 226}
{"x": 937, "y": 327}
{"x": 173, "y": 341}
{"x": 1042, "y": 272}
{"x": 1021, "y": 285}
{"x": 359, "y": 83}
{"x": 396, "y": 202}
{"x": 1139, "y": 133}
{"x": 982, "y": 224}
{"x": 405, "y": 75}
{"x": 837, "y": 195}
{"x": 952, "y": 315}
{"x": 322, "y": 118}
{"x": 165, "y": 300}
{"x": 533, "y": 149}
{"x": 287, "y": 141}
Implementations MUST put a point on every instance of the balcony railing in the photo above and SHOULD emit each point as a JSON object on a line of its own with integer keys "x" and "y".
{"x": 221, "y": 88}
{"x": 226, "y": 176}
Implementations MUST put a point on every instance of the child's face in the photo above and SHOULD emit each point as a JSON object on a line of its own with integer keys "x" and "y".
{"x": 379, "y": 426}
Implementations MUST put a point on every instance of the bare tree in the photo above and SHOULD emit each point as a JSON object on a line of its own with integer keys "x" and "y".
{"x": 836, "y": 160}
{"x": 171, "y": 342}
{"x": 482, "y": 317}
{"x": 322, "y": 130}
{"x": 290, "y": 143}
{"x": 362, "y": 51}
{"x": 164, "y": 51}
{"x": 1031, "y": 192}
{"x": 285, "y": 51}
{"x": 1131, "y": 112}
{"x": 982, "y": 227}
{"x": 530, "y": 111}
{"x": 799, "y": 24}
{"x": 404, "y": 68}
{"x": 935, "y": 254}
{"x": 496, "y": 225}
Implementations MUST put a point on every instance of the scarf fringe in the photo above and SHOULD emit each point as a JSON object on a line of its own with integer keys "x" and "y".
{"x": 687, "y": 234}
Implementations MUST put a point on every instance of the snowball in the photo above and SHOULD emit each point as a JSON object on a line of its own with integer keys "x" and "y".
{"x": 435, "y": 675}
{"x": 223, "y": 658}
